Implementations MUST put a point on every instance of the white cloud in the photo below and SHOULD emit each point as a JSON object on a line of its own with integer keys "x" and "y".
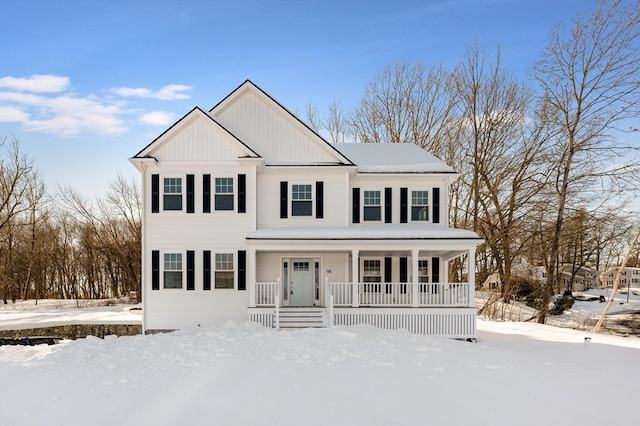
{"x": 36, "y": 83}
{"x": 64, "y": 115}
{"x": 168, "y": 92}
{"x": 157, "y": 118}
{"x": 12, "y": 114}
{"x": 43, "y": 103}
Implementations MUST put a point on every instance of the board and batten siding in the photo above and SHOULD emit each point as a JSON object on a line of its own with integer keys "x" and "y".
{"x": 273, "y": 133}
{"x": 200, "y": 140}
{"x": 334, "y": 200}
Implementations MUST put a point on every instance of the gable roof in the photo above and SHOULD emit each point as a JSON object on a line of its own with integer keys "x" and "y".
{"x": 182, "y": 123}
{"x": 221, "y": 111}
{"x": 392, "y": 158}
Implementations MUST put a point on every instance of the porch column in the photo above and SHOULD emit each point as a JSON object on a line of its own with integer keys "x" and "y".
{"x": 251, "y": 276}
{"x": 415, "y": 295}
{"x": 471, "y": 276}
{"x": 355, "y": 278}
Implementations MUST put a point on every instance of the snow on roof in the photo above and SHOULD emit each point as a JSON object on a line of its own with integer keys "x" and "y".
{"x": 392, "y": 158}
{"x": 403, "y": 231}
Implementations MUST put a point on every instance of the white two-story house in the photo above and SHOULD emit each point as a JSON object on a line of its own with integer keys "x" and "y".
{"x": 251, "y": 215}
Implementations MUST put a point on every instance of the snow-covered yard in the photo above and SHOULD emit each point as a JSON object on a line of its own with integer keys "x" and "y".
{"x": 244, "y": 374}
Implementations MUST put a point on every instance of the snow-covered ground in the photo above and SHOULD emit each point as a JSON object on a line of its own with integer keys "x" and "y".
{"x": 244, "y": 374}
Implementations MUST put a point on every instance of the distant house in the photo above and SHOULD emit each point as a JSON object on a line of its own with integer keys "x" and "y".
{"x": 583, "y": 279}
{"x": 630, "y": 277}
{"x": 251, "y": 215}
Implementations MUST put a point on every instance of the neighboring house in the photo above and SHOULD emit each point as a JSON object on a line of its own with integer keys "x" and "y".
{"x": 251, "y": 215}
{"x": 585, "y": 277}
{"x": 630, "y": 277}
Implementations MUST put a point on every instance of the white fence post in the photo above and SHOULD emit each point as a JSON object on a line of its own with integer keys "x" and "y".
{"x": 328, "y": 298}
{"x": 277, "y": 304}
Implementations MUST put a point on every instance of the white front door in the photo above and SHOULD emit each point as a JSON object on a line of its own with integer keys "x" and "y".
{"x": 301, "y": 282}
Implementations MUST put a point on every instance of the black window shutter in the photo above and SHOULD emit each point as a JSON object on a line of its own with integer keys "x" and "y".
{"x": 206, "y": 193}
{"x": 242, "y": 269}
{"x": 387, "y": 273}
{"x": 284, "y": 195}
{"x": 155, "y": 270}
{"x": 242, "y": 193}
{"x": 355, "y": 213}
{"x": 387, "y": 205}
{"x": 155, "y": 193}
{"x": 319, "y": 200}
{"x": 191, "y": 276}
{"x": 435, "y": 269}
{"x": 190, "y": 194}
{"x": 404, "y": 275}
{"x": 404, "y": 195}
{"x": 436, "y": 205}
{"x": 206, "y": 270}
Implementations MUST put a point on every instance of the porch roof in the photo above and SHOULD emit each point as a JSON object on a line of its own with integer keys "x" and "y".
{"x": 376, "y": 232}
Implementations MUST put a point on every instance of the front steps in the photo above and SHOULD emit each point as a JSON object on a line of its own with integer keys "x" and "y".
{"x": 302, "y": 318}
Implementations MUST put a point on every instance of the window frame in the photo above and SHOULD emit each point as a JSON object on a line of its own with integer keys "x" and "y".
{"x": 231, "y": 194}
{"x": 215, "y": 269}
{"x": 182, "y": 269}
{"x": 378, "y": 206}
{"x": 312, "y": 199}
{"x": 426, "y": 206}
{"x": 181, "y": 194}
{"x": 372, "y": 286}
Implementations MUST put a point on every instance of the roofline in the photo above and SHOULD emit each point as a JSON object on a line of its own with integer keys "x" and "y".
{"x": 196, "y": 108}
{"x": 287, "y": 111}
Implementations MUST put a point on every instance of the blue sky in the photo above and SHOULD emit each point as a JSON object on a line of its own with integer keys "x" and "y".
{"x": 84, "y": 85}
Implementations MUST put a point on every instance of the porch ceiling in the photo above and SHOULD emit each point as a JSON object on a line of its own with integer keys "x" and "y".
{"x": 374, "y": 240}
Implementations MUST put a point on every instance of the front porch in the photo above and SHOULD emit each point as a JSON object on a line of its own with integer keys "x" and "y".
{"x": 437, "y": 309}
{"x": 389, "y": 276}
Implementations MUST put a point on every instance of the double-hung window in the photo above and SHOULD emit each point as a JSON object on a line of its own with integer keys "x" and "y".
{"x": 173, "y": 270}
{"x": 301, "y": 200}
{"x": 420, "y": 205}
{"x": 224, "y": 193}
{"x": 172, "y": 195}
{"x": 372, "y": 207}
{"x": 224, "y": 270}
{"x": 371, "y": 274}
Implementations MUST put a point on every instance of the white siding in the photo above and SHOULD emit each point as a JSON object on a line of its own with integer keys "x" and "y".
{"x": 332, "y": 265}
{"x": 181, "y": 309}
{"x": 178, "y": 231}
{"x": 273, "y": 133}
{"x": 377, "y": 182}
{"x": 269, "y": 196}
{"x": 200, "y": 139}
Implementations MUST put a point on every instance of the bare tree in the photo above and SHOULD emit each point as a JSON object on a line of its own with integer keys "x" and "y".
{"x": 405, "y": 103}
{"x": 589, "y": 80}
{"x": 501, "y": 153}
{"x": 18, "y": 180}
{"x": 336, "y": 123}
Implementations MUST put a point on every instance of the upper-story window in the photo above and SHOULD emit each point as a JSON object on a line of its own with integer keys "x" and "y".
{"x": 419, "y": 205}
{"x": 173, "y": 270}
{"x": 224, "y": 193}
{"x": 172, "y": 196}
{"x": 301, "y": 200}
{"x": 372, "y": 207}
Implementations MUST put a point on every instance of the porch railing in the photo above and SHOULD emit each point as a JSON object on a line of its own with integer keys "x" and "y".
{"x": 266, "y": 293}
{"x": 401, "y": 294}
{"x": 378, "y": 294}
